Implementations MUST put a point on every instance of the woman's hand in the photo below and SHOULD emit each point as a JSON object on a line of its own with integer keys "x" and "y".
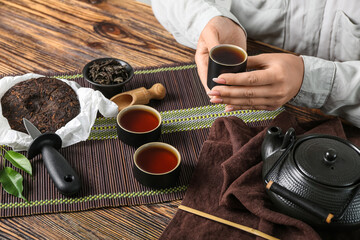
{"x": 276, "y": 79}
{"x": 219, "y": 30}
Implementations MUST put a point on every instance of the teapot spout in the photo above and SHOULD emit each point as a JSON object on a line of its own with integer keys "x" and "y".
{"x": 275, "y": 141}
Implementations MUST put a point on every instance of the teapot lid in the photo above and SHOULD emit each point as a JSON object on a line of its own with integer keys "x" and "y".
{"x": 328, "y": 160}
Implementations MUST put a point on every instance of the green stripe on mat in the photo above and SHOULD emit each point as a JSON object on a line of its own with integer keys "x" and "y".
{"x": 92, "y": 198}
{"x": 204, "y": 117}
{"x": 185, "y": 120}
{"x": 146, "y": 71}
{"x": 164, "y": 69}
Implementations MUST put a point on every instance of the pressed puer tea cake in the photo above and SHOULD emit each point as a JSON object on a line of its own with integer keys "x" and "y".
{"x": 48, "y": 103}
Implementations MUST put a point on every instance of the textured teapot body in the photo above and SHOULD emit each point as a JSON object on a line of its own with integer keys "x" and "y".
{"x": 308, "y": 197}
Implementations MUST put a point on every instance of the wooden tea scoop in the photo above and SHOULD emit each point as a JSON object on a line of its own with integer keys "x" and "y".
{"x": 139, "y": 96}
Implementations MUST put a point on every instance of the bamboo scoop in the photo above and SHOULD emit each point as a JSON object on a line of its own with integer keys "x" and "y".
{"x": 139, "y": 96}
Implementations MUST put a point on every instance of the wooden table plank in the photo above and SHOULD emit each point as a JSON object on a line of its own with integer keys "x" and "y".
{"x": 61, "y": 36}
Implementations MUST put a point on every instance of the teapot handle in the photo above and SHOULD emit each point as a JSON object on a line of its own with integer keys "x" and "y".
{"x": 300, "y": 201}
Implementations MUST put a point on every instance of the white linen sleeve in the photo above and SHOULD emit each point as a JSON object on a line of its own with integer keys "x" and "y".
{"x": 333, "y": 87}
{"x": 186, "y": 19}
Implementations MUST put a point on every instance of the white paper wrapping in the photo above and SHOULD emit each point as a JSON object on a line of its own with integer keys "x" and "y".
{"x": 76, "y": 130}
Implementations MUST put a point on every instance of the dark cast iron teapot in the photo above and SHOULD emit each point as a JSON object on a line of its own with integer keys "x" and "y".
{"x": 314, "y": 178}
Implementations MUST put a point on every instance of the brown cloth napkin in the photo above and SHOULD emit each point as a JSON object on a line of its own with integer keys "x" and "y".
{"x": 227, "y": 183}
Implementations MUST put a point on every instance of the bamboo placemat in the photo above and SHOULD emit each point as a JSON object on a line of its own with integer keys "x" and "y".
{"x": 105, "y": 164}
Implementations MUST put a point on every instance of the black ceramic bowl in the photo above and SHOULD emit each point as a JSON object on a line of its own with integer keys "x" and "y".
{"x": 157, "y": 165}
{"x": 138, "y": 124}
{"x": 108, "y": 90}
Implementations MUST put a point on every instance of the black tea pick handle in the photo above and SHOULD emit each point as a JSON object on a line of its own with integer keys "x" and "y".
{"x": 63, "y": 175}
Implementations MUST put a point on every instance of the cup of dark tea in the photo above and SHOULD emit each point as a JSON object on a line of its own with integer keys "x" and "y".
{"x": 225, "y": 58}
{"x": 138, "y": 124}
{"x": 157, "y": 165}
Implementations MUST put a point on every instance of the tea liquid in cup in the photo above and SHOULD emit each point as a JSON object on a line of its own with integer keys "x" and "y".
{"x": 157, "y": 164}
{"x": 138, "y": 124}
{"x": 225, "y": 58}
{"x": 157, "y": 160}
{"x": 139, "y": 120}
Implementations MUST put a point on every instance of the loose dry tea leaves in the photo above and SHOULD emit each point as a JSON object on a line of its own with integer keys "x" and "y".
{"x": 108, "y": 72}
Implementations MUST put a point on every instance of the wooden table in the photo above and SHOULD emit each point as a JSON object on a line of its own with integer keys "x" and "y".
{"x": 62, "y": 36}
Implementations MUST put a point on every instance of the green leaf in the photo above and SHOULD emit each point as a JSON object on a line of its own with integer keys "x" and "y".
{"x": 19, "y": 161}
{"x": 12, "y": 182}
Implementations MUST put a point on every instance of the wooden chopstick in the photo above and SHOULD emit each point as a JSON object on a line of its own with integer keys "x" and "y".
{"x": 226, "y": 222}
